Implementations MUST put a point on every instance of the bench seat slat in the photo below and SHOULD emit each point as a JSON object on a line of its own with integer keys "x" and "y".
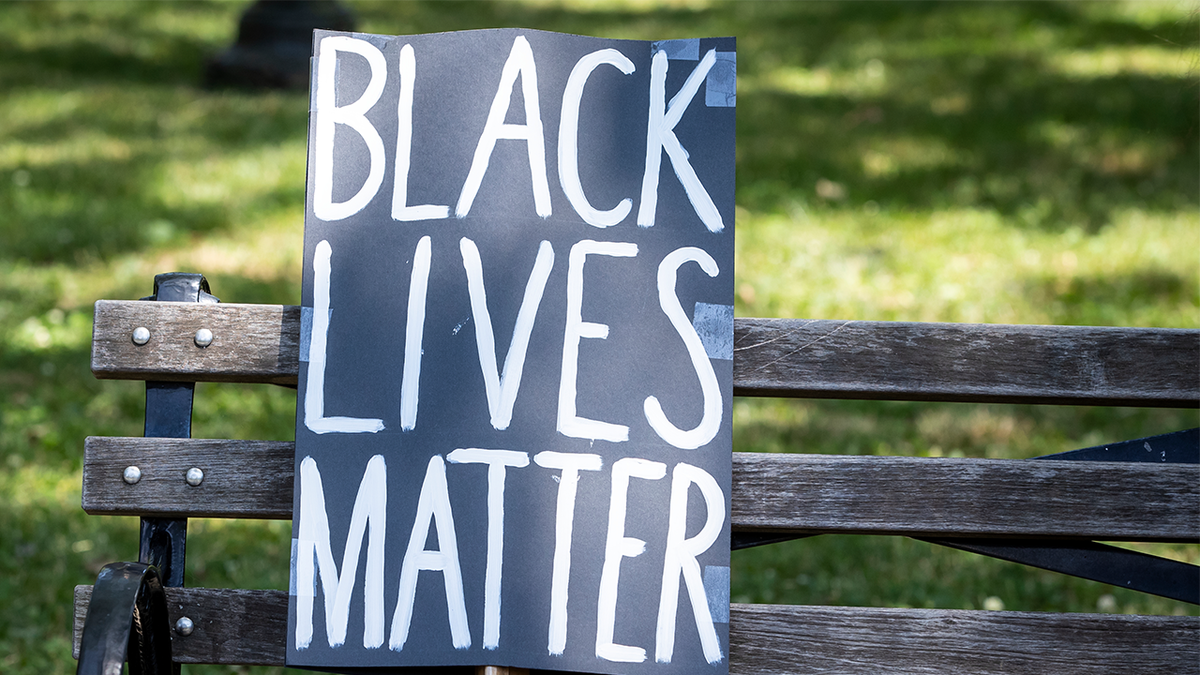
{"x": 772, "y": 357}
{"x": 783, "y": 493}
{"x": 250, "y": 627}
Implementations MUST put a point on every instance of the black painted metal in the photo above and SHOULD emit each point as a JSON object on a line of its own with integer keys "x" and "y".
{"x": 169, "y": 415}
{"x": 182, "y": 287}
{"x": 169, "y": 410}
{"x": 1098, "y": 562}
{"x": 741, "y": 540}
{"x": 163, "y": 544}
{"x": 127, "y": 617}
{"x": 1180, "y": 447}
{"x": 1088, "y": 560}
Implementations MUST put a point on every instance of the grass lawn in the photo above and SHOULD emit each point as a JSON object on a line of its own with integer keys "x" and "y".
{"x": 969, "y": 162}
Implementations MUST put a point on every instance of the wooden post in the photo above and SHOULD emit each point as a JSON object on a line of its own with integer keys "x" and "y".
{"x": 500, "y": 670}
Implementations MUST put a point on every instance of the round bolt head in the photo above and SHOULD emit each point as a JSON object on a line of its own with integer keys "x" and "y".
{"x": 141, "y": 335}
{"x": 195, "y": 476}
{"x": 132, "y": 474}
{"x": 184, "y": 626}
{"x": 204, "y": 337}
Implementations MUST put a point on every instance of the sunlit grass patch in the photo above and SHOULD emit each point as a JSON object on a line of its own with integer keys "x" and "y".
{"x": 867, "y": 80}
{"x": 970, "y": 266}
{"x": 1153, "y": 61}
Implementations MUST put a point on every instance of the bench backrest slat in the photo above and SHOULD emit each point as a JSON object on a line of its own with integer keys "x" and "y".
{"x": 250, "y": 627}
{"x": 772, "y": 357}
{"x": 1120, "y": 501}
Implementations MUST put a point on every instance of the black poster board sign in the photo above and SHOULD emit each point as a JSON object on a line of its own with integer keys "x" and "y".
{"x": 513, "y": 442}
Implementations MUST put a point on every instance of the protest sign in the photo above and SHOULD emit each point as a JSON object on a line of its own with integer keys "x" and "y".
{"x": 513, "y": 434}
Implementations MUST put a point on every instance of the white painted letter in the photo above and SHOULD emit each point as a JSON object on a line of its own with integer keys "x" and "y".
{"x": 314, "y": 388}
{"x": 354, "y": 116}
{"x": 564, "y": 522}
{"x": 570, "y": 424}
{"x": 618, "y": 546}
{"x": 710, "y": 423}
{"x": 568, "y": 139}
{"x": 520, "y": 61}
{"x": 433, "y": 505}
{"x": 400, "y": 208}
{"x": 502, "y": 389}
{"x": 681, "y": 559}
{"x": 660, "y": 135}
{"x": 497, "y": 461}
{"x": 414, "y": 333}
{"x": 313, "y": 541}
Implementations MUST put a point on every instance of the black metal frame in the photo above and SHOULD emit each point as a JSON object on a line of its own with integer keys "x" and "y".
{"x": 128, "y": 595}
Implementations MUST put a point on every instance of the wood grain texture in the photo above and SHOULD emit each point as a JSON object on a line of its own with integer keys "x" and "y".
{"x": 242, "y": 479}
{"x": 233, "y": 626}
{"x": 1120, "y": 501}
{"x": 772, "y": 357}
{"x": 924, "y": 496}
{"x": 249, "y": 627}
{"x": 251, "y": 343}
{"x": 778, "y": 639}
{"x": 967, "y": 362}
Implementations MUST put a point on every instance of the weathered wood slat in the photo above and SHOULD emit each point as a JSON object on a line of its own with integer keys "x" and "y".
{"x": 967, "y": 362}
{"x": 771, "y": 492}
{"x": 921, "y": 496}
{"x": 242, "y": 479}
{"x": 852, "y": 640}
{"x": 232, "y": 626}
{"x": 250, "y": 627}
{"x": 772, "y": 357}
{"x": 251, "y": 343}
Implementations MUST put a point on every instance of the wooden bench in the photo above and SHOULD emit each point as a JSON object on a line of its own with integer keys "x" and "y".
{"x": 1042, "y": 512}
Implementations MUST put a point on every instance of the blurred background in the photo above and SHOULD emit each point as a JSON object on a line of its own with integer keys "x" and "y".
{"x": 901, "y": 161}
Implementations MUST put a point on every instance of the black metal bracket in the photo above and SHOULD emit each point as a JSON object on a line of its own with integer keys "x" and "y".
{"x": 127, "y": 618}
{"x": 1098, "y": 562}
{"x": 169, "y": 415}
{"x": 1088, "y": 559}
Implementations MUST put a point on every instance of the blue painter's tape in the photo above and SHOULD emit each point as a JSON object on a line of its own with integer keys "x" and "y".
{"x": 716, "y": 587}
{"x": 714, "y": 325}
{"x": 380, "y": 42}
{"x": 306, "y": 317}
{"x": 682, "y": 50}
{"x": 306, "y": 314}
{"x": 292, "y": 575}
{"x": 720, "y": 87}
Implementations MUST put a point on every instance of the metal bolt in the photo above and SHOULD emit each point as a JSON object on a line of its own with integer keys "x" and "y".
{"x": 141, "y": 335}
{"x": 204, "y": 337}
{"x": 195, "y": 476}
{"x": 184, "y": 626}
{"x": 132, "y": 474}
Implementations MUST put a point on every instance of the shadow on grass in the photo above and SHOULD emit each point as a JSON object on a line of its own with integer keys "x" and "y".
{"x": 103, "y": 105}
{"x": 968, "y": 113}
{"x": 1088, "y": 300}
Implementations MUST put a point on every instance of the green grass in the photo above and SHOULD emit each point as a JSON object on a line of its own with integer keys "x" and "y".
{"x": 980, "y": 162}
